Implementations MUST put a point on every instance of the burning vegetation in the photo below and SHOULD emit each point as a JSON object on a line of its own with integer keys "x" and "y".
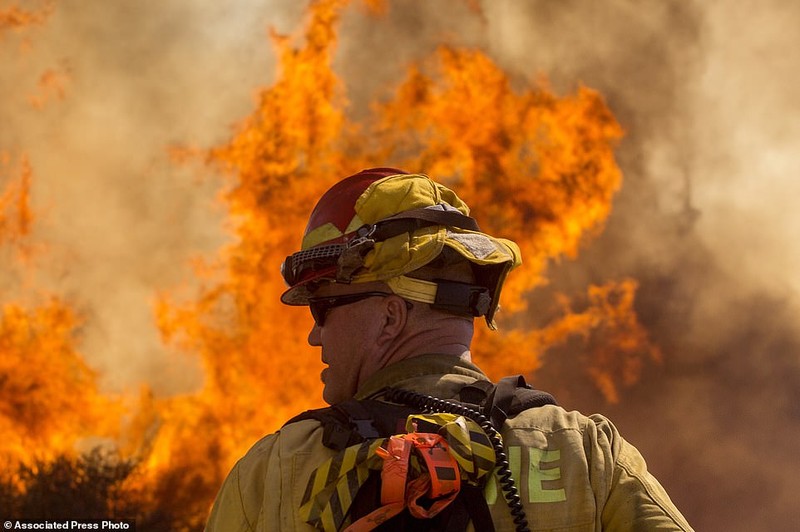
{"x": 536, "y": 167}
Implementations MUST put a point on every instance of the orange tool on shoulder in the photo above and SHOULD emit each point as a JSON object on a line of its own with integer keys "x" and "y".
{"x": 439, "y": 482}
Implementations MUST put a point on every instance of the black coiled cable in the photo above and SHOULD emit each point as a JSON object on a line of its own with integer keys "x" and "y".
{"x": 432, "y": 405}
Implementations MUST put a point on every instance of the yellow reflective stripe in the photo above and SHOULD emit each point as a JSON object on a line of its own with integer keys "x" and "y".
{"x": 467, "y": 443}
{"x": 327, "y": 521}
{"x": 333, "y": 485}
{"x": 349, "y": 458}
{"x": 316, "y": 483}
{"x": 462, "y": 453}
{"x": 413, "y": 289}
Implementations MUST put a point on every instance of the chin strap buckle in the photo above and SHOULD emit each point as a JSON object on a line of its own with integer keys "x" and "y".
{"x": 462, "y": 298}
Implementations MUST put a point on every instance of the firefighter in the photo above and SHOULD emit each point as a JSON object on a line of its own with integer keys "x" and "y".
{"x": 395, "y": 272}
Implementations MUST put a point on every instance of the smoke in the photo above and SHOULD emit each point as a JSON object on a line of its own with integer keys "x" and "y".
{"x": 705, "y": 220}
{"x": 119, "y": 219}
{"x": 748, "y": 159}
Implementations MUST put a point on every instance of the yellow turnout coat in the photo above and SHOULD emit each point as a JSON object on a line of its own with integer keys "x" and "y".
{"x": 574, "y": 472}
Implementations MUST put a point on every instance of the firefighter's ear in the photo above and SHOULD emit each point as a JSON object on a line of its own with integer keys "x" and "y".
{"x": 395, "y": 317}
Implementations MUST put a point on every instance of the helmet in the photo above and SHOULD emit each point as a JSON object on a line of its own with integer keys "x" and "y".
{"x": 382, "y": 224}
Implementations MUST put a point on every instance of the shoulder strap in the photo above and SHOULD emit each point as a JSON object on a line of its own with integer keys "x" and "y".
{"x": 509, "y": 397}
{"x": 354, "y": 421}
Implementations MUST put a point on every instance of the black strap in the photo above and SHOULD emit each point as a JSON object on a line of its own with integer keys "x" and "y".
{"x": 410, "y": 221}
{"x": 352, "y": 254}
{"x": 477, "y": 507}
{"x": 461, "y": 298}
{"x": 509, "y": 397}
{"x": 436, "y": 217}
{"x": 354, "y": 421}
{"x": 476, "y": 393}
{"x": 338, "y": 432}
{"x": 525, "y": 397}
{"x": 500, "y": 408}
{"x": 513, "y": 395}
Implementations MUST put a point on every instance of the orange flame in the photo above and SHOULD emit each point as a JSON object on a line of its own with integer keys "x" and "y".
{"x": 15, "y": 209}
{"x": 52, "y": 84}
{"x": 535, "y": 167}
{"x": 14, "y": 17}
{"x": 48, "y": 395}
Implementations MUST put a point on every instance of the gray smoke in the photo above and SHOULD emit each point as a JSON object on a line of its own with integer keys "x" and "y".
{"x": 705, "y": 220}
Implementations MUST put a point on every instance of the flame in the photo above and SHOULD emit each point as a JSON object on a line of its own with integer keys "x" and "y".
{"x": 53, "y": 81}
{"x": 15, "y": 17}
{"x": 536, "y": 167}
{"x": 50, "y": 402}
{"x": 15, "y": 210}
{"x": 52, "y": 85}
{"x": 48, "y": 395}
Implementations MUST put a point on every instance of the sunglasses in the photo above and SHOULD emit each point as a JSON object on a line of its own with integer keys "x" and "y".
{"x": 319, "y": 306}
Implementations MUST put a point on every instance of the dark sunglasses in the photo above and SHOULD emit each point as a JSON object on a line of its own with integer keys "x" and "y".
{"x": 319, "y": 306}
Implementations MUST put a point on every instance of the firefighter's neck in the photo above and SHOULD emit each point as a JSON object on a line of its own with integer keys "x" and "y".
{"x": 430, "y": 332}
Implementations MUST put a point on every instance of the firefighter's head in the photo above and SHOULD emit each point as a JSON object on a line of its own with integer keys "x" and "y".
{"x": 407, "y": 231}
{"x": 391, "y": 267}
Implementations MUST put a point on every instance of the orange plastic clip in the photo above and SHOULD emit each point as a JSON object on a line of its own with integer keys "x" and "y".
{"x": 393, "y": 484}
{"x": 440, "y": 484}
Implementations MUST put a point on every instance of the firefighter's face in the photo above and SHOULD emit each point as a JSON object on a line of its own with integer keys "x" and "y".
{"x": 350, "y": 338}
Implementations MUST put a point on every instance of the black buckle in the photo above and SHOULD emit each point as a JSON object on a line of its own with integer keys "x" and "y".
{"x": 462, "y": 298}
